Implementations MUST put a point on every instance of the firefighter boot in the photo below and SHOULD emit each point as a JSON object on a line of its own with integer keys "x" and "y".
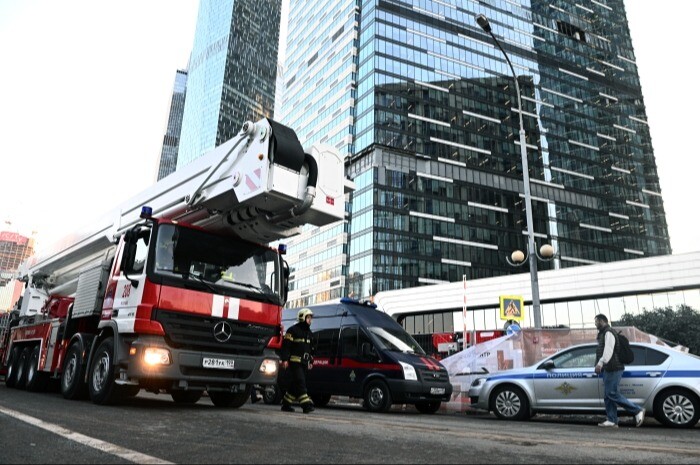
{"x": 308, "y": 407}
{"x": 287, "y": 407}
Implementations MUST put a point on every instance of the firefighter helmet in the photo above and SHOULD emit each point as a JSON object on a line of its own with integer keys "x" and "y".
{"x": 303, "y": 313}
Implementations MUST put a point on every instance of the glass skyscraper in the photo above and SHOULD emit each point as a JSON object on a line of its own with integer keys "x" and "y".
{"x": 435, "y": 151}
{"x": 171, "y": 140}
{"x": 320, "y": 75}
{"x": 231, "y": 73}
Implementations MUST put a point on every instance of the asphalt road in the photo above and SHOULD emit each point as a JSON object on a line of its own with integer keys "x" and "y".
{"x": 45, "y": 428}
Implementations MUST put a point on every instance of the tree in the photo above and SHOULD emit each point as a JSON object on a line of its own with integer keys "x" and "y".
{"x": 681, "y": 326}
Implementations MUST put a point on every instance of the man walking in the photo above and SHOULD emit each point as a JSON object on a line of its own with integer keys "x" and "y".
{"x": 611, "y": 367}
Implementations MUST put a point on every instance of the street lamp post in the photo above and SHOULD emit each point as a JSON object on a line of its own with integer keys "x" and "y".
{"x": 484, "y": 24}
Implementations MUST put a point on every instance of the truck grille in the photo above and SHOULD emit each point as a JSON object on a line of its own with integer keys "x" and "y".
{"x": 433, "y": 375}
{"x": 196, "y": 332}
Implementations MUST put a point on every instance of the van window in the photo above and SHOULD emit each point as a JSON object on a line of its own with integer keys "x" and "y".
{"x": 396, "y": 339}
{"x": 325, "y": 342}
{"x": 351, "y": 339}
{"x": 348, "y": 340}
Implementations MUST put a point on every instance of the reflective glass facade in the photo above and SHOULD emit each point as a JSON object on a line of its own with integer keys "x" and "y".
{"x": 320, "y": 73}
{"x": 231, "y": 74}
{"x": 436, "y": 153}
{"x": 437, "y": 150}
{"x": 171, "y": 141}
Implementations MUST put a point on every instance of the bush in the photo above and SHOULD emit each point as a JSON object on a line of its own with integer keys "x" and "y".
{"x": 680, "y": 326}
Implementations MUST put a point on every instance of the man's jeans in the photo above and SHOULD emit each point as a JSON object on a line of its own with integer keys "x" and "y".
{"x": 613, "y": 398}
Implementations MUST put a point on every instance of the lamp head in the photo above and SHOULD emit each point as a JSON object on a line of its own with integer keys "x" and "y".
{"x": 483, "y": 23}
{"x": 547, "y": 251}
{"x": 517, "y": 256}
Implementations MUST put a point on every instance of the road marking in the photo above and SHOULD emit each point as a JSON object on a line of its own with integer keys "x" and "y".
{"x": 102, "y": 446}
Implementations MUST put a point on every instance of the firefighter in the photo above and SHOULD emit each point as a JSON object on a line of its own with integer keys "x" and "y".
{"x": 296, "y": 360}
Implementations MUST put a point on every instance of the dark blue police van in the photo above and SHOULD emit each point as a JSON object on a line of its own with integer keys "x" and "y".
{"x": 362, "y": 352}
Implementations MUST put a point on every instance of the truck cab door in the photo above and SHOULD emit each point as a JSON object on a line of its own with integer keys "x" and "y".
{"x": 131, "y": 278}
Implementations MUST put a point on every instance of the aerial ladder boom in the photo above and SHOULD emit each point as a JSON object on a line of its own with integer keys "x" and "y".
{"x": 260, "y": 186}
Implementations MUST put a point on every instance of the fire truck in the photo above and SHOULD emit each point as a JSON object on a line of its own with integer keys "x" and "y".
{"x": 174, "y": 291}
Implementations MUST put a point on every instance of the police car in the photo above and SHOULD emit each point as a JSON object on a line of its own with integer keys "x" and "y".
{"x": 663, "y": 380}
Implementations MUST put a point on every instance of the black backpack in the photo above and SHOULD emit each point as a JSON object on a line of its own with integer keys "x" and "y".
{"x": 624, "y": 351}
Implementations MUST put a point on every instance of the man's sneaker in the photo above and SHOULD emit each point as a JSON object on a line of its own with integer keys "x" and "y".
{"x": 287, "y": 408}
{"x": 608, "y": 424}
{"x": 639, "y": 418}
{"x": 307, "y": 408}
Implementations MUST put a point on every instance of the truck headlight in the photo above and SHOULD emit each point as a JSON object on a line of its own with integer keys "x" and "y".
{"x": 268, "y": 367}
{"x": 156, "y": 356}
{"x": 409, "y": 372}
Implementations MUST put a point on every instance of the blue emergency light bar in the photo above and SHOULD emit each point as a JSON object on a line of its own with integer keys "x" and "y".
{"x": 146, "y": 212}
{"x": 282, "y": 249}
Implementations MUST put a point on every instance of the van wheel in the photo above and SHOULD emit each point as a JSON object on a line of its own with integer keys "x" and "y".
{"x": 72, "y": 385}
{"x": 272, "y": 394}
{"x": 226, "y": 399}
{"x": 377, "y": 396}
{"x": 103, "y": 390}
{"x": 186, "y": 397}
{"x": 321, "y": 400}
{"x": 22, "y": 365}
{"x": 428, "y": 406}
{"x": 12, "y": 366}
{"x": 36, "y": 380}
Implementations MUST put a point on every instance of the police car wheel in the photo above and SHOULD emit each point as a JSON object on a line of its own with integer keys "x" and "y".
{"x": 677, "y": 408}
{"x": 377, "y": 396}
{"x": 510, "y": 403}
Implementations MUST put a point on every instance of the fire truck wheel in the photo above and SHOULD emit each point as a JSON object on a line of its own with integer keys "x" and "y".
{"x": 22, "y": 368}
{"x": 103, "y": 390}
{"x": 186, "y": 397}
{"x": 36, "y": 380}
{"x": 11, "y": 376}
{"x": 229, "y": 399}
{"x": 377, "y": 396}
{"x": 72, "y": 374}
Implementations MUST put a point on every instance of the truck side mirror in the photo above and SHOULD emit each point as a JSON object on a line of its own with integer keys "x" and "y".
{"x": 128, "y": 256}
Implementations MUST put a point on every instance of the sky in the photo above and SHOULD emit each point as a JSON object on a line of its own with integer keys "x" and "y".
{"x": 85, "y": 90}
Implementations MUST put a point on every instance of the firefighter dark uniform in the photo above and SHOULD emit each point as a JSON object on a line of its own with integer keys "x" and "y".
{"x": 296, "y": 350}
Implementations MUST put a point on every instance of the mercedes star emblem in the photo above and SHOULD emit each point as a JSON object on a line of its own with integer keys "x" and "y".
{"x": 222, "y": 331}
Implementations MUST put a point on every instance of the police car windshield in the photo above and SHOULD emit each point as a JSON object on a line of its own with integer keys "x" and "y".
{"x": 396, "y": 340}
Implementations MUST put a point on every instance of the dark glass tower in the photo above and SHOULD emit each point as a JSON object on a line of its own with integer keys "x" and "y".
{"x": 171, "y": 141}
{"x": 231, "y": 74}
{"x": 436, "y": 155}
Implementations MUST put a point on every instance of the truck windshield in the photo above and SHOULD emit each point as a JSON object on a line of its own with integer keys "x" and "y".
{"x": 219, "y": 264}
{"x": 395, "y": 339}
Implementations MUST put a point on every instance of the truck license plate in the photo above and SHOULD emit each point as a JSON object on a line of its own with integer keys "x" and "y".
{"x": 437, "y": 390}
{"x": 220, "y": 363}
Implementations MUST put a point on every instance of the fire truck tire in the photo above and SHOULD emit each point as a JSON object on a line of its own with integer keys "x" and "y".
{"x": 186, "y": 397}
{"x": 103, "y": 390}
{"x": 22, "y": 368}
{"x": 72, "y": 374}
{"x": 36, "y": 380}
{"x": 377, "y": 396}
{"x": 225, "y": 399}
{"x": 11, "y": 376}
